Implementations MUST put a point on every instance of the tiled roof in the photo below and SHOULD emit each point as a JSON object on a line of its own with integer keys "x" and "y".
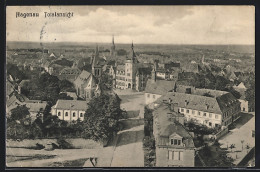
{"x": 71, "y": 104}
{"x": 166, "y": 128}
{"x": 70, "y": 71}
{"x": 202, "y": 103}
{"x": 160, "y": 87}
{"x": 82, "y": 77}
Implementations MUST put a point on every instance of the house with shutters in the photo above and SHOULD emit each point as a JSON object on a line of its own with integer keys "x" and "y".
{"x": 213, "y": 111}
{"x": 174, "y": 144}
{"x": 70, "y": 110}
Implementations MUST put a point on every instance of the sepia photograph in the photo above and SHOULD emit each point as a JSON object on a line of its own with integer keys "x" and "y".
{"x": 130, "y": 86}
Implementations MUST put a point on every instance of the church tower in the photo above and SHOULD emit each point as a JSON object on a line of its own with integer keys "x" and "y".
{"x": 96, "y": 67}
{"x": 113, "y": 48}
{"x": 130, "y": 69}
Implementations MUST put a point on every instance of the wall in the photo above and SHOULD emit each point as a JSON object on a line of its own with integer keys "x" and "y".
{"x": 70, "y": 114}
{"x": 201, "y": 118}
{"x": 78, "y": 143}
{"x": 243, "y": 105}
{"x": 162, "y": 159}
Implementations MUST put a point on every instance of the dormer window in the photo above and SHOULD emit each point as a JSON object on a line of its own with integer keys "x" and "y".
{"x": 175, "y": 142}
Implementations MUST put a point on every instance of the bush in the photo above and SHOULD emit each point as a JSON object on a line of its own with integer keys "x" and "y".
{"x": 148, "y": 142}
{"x": 63, "y": 144}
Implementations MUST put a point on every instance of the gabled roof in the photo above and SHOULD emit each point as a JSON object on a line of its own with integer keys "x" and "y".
{"x": 217, "y": 105}
{"x": 160, "y": 87}
{"x": 71, "y": 104}
{"x": 82, "y": 78}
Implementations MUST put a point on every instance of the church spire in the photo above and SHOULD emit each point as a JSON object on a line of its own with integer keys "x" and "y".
{"x": 113, "y": 43}
{"x": 132, "y": 46}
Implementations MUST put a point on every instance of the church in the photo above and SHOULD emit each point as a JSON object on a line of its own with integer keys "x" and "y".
{"x": 87, "y": 84}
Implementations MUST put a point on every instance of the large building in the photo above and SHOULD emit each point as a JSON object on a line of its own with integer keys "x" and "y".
{"x": 70, "y": 110}
{"x": 132, "y": 75}
{"x": 213, "y": 111}
{"x": 174, "y": 144}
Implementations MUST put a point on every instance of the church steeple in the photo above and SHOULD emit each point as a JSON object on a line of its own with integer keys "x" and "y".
{"x": 113, "y": 48}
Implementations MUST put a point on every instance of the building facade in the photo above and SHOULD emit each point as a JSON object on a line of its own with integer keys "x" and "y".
{"x": 70, "y": 110}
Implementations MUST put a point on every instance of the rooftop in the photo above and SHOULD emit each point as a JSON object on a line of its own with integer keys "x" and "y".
{"x": 71, "y": 104}
{"x": 160, "y": 87}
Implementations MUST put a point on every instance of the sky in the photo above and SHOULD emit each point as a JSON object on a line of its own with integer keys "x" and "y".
{"x": 140, "y": 24}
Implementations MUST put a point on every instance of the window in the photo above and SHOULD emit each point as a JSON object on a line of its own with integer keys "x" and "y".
{"x": 66, "y": 114}
{"x": 81, "y": 115}
{"x": 170, "y": 155}
{"x": 204, "y": 114}
{"x": 182, "y": 110}
{"x": 216, "y": 116}
{"x": 179, "y": 142}
{"x": 128, "y": 74}
{"x": 210, "y": 115}
{"x": 171, "y": 141}
{"x": 73, "y": 114}
{"x": 210, "y": 124}
{"x": 148, "y": 95}
{"x": 199, "y": 113}
{"x": 187, "y": 111}
{"x": 154, "y": 96}
{"x": 58, "y": 113}
{"x": 216, "y": 125}
{"x": 176, "y": 155}
{"x": 193, "y": 112}
{"x": 181, "y": 156}
{"x": 175, "y": 141}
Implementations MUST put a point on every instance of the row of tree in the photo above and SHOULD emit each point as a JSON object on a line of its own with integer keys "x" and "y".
{"x": 100, "y": 122}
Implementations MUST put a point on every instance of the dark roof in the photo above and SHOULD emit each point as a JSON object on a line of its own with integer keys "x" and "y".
{"x": 160, "y": 87}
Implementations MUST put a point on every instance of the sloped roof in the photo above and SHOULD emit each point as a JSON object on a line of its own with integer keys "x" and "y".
{"x": 160, "y": 87}
{"x": 166, "y": 128}
{"x": 82, "y": 77}
{"x": 35, "y": 106}
{"x": 71, "y": 104}
{"x": 202, "y": 103}
{"x": 70, "y": 71}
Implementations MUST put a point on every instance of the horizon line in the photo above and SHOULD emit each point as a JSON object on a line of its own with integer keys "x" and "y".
{"x": 131, "y": 43}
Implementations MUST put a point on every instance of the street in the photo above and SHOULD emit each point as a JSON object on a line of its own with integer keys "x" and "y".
{"x": 240, "y": 137}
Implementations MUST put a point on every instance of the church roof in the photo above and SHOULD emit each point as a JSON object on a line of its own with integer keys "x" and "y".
{"x": 71, "y": 104}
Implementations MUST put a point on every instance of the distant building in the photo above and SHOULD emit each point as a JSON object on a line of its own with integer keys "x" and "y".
{"x": 241, "y": 88}
{"x": 156, "y": 88}
{"x": 174, "y": 144}
{"x": 69, "y": 74}
{"x": 132, "y": 75}
{"x": 70, "y": 110}
{"x": 36, "y": 107}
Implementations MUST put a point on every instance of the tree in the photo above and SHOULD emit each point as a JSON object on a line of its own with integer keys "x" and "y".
{"x": 66, "y": 86}
{"x": 64, "y": 96}
{"x": 121, "y": 52}
{"x": 101, "y": 117}
{"x": 20, "y": 113}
